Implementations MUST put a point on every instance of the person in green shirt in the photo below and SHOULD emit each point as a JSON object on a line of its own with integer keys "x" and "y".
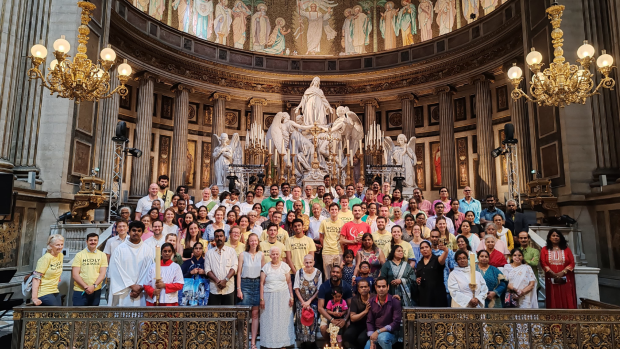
{"x": 351, "y": 195}
{"x": 320, "y": 191}
{"x": 531, "y": 256}
{"x": 271, "y": 201}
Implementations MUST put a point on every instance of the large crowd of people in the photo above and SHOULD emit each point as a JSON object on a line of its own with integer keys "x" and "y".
{"x": 305, "y": 258}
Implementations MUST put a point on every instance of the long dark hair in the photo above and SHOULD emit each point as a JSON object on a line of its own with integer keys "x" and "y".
{"x": 460, "y": 231}
{"x": 374, "y": 246}
{"x": 466, "y": 241}
{"x": 450, "y": 214}
{"x": 188, "y": 237}
{"x": 167, "y": 244}
{"x": 563, "y": 243}
{"x": 393, "y": 247}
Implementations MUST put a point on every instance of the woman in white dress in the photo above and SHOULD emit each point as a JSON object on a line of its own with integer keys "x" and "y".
{"x": 458, "y": 284}
{"x": 276, "y": 303}
{"x": 521, "y": 281}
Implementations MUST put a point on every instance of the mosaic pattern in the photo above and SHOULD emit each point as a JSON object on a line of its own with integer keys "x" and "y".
{"x": 316, "y": 27}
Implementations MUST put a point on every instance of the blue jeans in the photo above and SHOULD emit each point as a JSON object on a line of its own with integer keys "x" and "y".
{"x": 385, "y": 340}
{"x": 51, "y": 300}
{"x": 86, "y": 300}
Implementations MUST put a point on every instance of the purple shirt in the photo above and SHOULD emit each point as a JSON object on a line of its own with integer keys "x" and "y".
{"x": 387, "y": 315}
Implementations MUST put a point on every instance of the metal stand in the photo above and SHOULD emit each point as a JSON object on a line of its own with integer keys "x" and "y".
{"x": 244, "y": 172}
{"x": 512, "y": 168}
{"x": 387, "y": 172}
{"x": 116, "y": 187}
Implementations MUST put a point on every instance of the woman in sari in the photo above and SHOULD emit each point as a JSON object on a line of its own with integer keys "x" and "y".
{"x": 503, "y": 233}
{"x": 398, "y": 216}
{"x": 459, "y": 281}
{"x": 400, "y": 276}
{"x": 521, "y": 281}
{"x": 444, "y": 197}
{"x": 559, "y": 263}
{"x": 496, "y": 258}
{"x": 408, "y": 227}
{"x": 495, "y": 280}
{"x": 476, "y": 229}
{"x": 463, "y": 245}
{"x": 369, "y": 253}
{"x": 500, "y": 246}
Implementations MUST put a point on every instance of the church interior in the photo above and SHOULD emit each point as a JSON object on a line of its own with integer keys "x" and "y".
{"x": 462, "y": 79}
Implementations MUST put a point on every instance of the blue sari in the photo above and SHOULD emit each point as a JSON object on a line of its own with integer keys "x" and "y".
{"x": 497, "y": 283}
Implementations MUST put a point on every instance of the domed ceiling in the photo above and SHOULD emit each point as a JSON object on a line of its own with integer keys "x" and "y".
{"x": 317, "y": 27}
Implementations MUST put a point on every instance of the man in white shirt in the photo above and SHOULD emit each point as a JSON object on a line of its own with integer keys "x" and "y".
{"x": 285, "y": 191}
{"x": 220, "y": 266}
{"x": 313, "y": 232}
{"x": 430, "y": 222}
{"x": 129, "y": 265}
{"x": 384, "y": 211}
{"x": 163, "y": 193}
{"x": 158, "y": 237}
{"x": 206, "y": 199}
{"x": 145, "y": 203}
{"x": 254, "y": 226}
{"x": 122, "y": 227}
{"x": 246, "y": 206}
{"x": 308, "y": 195}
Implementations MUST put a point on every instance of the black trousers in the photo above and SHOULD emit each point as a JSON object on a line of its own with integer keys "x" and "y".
{"x": 356, "y": 335}
{"x": 222, "y": 299}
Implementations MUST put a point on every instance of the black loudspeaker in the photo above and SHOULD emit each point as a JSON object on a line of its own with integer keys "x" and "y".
{"x": 509, "y": 131}
{"x": 6, "y": 194}
{"x": 122, "y": 133}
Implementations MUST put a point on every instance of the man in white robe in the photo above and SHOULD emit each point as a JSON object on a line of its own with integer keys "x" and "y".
{"x": 361, "y": 29}
{"x": 223, "y": 20}
{"x": 316, "y": 24}
{"x": 347, "y": 32}
{"x": 129, "y": 265}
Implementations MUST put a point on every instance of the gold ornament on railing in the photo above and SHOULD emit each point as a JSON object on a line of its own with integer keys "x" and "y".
{"x": 562, "y": 83}
{"x": 80, "y": 80}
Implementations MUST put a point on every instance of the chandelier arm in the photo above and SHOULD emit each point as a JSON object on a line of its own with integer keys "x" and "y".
{"x": 117, "y": 89}
{"x": 604, "y": 83}
{"x": 35, "y": 74}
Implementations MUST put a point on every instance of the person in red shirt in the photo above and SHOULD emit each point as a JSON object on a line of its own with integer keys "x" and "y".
{"x": 352, "y": 232}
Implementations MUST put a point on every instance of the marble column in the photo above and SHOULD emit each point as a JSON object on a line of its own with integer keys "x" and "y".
{"x": 106, "y": 129}
{"x": 370, "y": 120}
{"x": 407, "y": 102}
{"x": 520, "y": 120}
{"x": 179, "y": 136}
{"x": 140, "y": 180}
{"x": 219, "y": 122}
{"x": 484, "y": 130}
{"x": 446, "y": 138}
{"x": 257, "y": 105}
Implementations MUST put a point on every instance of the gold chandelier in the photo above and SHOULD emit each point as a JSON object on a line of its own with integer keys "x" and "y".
{"x": 80, "y": 80}
{"x": 562, "y": 83}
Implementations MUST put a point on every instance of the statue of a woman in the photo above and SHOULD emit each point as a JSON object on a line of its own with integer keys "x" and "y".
{"x": 314, "y": 105}
{"x": 226, "y": 153}
{"x": 402, "y": 153}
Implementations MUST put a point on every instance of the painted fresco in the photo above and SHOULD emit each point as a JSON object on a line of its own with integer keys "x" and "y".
{"x": 317, "y": 27}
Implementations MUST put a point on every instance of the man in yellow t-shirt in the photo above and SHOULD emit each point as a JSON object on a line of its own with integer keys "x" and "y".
{"x": 88, "y": 271}
{"x": 282, "y": 235}
{"x": 345, "y": 215}
{"x": 329, "y": 231}
{"x": 272, "y": 241}
{"x": 382, "y": 237}
{"x": 298, "y": 247}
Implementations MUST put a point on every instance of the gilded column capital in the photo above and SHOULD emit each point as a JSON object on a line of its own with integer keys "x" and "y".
{"x": 145, "y": 75}
{"x": 482, "y": 77}
{"x": 221, "y": 95}
{"x": 444, "y": 89}
{"x": 256, "y": 101}
{"x": 369, "y": 101}
{"x": 181, "y": 87}
{"x": 408, "y": 96}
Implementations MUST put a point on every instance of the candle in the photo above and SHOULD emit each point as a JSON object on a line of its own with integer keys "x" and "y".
{"x": 361, "y": 152}
{"x": 293, "y": 149}
{"x": 283, "y": 144}
{"x": 270, "y": 147}
{"x": 157, "y": 263}
{"x": 351, "y": 158}
{"x": 348, "y": 147}
{"x": 275, "y": 158}
{"x": 472, "y": 268}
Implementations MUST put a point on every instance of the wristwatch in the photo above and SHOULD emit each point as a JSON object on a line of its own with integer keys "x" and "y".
{"x": 226, "y": 279}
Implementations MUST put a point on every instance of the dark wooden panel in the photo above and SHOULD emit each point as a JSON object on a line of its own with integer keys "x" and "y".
{"x": 458, "y": 40}
{"x": 240, "y": 59}
{"x": 549, "y": 160}
{"x": 204, "y": 50}
{"x": 422, "y": 51}
{"x": 136, "y": 21}
{"x": 350, "y": 64}
{"x": 169, "y": 37}
{"x": 279, "y": 64}
{"x": 313, "y": 65}
{"x": 387, "y": 59}
{"x": 546, "y": 121}
{"x": 493, "y": 23}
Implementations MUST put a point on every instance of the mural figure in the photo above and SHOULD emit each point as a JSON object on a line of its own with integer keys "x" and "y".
{"x": 314, "y": 105}
{"x": 347, "y": 32}
{"x": 425, "y": 19}
{"x": 184, "y": 13}
{"x": 469, "y": 7}
{"x": 488, "y": 6}
{"x": 203, "y": 18}
{"x": 437, "y": 164}
{"x": 407, "y": 22}
{"x": 276, "y": 39}
{"x": 361, "y": 29}
{"x": 261, "y": 28}
{"x": 445, "y": 15}
{"x": 142, "y": 5}
{"x": 239, "y": 12}
{"x": 317, "y": 23}
{"x": 156, "y": 9}
{"x": 223, "y": 20}
{"x": 389, "y": 25}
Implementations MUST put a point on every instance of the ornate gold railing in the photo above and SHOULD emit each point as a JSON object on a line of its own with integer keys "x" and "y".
{"x": 592, "y": 304}
{"x": 430, "y": 328}
{"x": 130, "y": 328}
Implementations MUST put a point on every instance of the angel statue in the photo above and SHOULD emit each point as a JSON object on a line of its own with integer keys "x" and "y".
{"x": 346, "y": 127}
{"x": 225, "y": 153}
{"x": 402, "y": 153}
{"x": 314, "y": 105}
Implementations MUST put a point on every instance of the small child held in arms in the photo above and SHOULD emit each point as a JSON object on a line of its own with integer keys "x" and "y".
{"x": 337, "y": 307}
